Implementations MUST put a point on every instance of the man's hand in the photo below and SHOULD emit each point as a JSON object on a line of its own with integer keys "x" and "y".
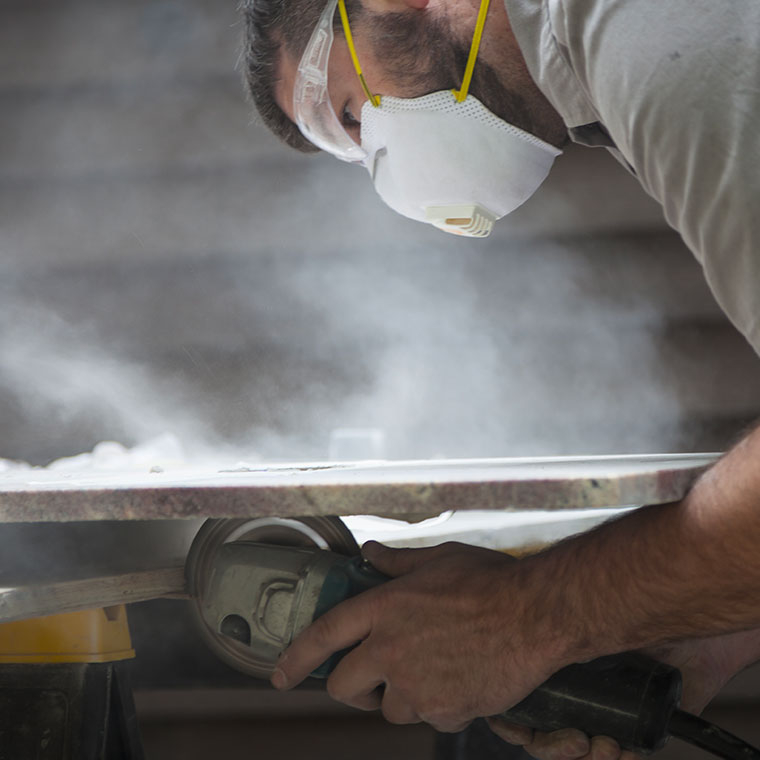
{"x": 461, "y": 632}
{"x": 435, "y": 644}
{"x": 706, "y": 666}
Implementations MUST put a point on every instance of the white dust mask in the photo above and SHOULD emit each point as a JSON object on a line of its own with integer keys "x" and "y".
{"x": 451, "y": 164}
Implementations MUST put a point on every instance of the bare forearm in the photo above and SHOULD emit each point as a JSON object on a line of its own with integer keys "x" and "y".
{"x": 690, "y": 569}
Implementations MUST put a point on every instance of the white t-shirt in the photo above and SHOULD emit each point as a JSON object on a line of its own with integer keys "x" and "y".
{"x": 672, "y": 87}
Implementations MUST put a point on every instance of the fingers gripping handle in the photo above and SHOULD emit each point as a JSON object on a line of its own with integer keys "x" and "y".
{"x": 347, "y": 577}
{"x": 628, "y": 697}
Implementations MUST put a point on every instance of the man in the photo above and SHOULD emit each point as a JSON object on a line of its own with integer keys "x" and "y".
{"x": 672, "y": 89}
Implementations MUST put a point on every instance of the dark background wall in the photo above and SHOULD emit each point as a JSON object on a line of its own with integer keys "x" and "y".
{"x": 167, "y": 266}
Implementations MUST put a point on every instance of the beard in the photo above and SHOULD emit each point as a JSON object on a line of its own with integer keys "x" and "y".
{"x": 422, "y": 55}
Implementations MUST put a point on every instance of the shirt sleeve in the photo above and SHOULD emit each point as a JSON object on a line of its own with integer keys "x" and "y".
{"x": 677, "y": 86}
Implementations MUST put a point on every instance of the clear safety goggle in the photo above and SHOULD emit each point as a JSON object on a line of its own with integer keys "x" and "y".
{"x": 312, "y": 107}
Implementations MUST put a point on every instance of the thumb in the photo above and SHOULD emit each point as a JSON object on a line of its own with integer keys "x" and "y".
{"x": 395, "y": 562}
{"x": 510, "y": 732}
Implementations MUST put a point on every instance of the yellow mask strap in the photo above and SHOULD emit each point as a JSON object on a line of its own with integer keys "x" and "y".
{"x": 374, "y": 99}
{"x": 461, "y": 93}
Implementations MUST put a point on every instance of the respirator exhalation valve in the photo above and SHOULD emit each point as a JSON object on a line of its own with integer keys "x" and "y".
{"x": 469, "y": 220}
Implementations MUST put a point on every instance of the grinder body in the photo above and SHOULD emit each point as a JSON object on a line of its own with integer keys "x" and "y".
{"x": 264, "y": 596}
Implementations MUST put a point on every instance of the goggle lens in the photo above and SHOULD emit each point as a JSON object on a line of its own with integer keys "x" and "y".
{"x": 312, "y": 107}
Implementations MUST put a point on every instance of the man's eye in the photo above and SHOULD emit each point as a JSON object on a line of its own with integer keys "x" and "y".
{"x": 349, "y": 120}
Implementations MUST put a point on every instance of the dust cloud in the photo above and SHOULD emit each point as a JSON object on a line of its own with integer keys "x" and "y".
{"x": 167, "y": 267}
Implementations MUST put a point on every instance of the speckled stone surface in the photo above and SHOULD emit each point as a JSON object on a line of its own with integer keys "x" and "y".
{"x": 399, "y": 489}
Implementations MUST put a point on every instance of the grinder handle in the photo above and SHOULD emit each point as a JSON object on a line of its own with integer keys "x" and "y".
{"x": 628, "y": 697}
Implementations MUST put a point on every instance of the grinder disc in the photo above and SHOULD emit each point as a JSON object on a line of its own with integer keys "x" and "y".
{"x": 320, "y": 532}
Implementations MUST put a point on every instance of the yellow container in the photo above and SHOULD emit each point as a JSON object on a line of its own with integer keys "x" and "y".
{"x": 100, "y": 635}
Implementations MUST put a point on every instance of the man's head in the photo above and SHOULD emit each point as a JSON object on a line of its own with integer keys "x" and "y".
{"x": 407, "y": 48}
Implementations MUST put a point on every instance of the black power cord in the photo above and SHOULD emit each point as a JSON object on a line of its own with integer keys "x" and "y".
{"x": 704, "y": 735}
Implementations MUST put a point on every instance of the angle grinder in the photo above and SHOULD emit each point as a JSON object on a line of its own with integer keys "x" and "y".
{"x": 254, "y": 595}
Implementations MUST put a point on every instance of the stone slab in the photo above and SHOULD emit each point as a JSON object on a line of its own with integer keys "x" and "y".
{"x": 411, "y": 489}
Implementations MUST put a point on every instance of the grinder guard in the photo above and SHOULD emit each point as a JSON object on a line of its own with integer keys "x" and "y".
{"x": 202, "y": 566}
